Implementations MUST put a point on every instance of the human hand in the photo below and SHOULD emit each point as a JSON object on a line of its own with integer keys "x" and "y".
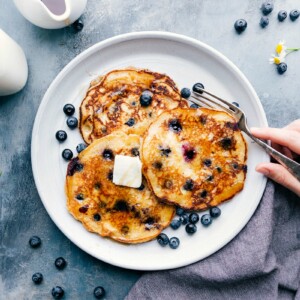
{"x": 287, "y": 141}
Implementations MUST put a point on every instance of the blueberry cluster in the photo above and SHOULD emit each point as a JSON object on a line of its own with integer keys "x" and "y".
{"x": 267, "y": 7}
{"x": 61, "y": 135}
{"x": 60, "y": 263}
{"x": 189, "y": 220}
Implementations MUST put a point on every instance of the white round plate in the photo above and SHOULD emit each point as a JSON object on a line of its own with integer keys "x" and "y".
{"x": 186, "y": 61}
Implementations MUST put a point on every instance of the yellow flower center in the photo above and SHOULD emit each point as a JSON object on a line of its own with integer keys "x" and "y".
{"x": 276, "y": 60}
{"x": 279, "y": 48}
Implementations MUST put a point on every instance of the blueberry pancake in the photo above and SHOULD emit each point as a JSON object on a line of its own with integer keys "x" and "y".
{"x": 127, "y": 100}
{"x": 194, "y": 158}
{"x": 128, "y": 215}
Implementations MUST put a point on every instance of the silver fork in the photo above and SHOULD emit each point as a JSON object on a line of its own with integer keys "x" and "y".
{"x": 201, "y": 98}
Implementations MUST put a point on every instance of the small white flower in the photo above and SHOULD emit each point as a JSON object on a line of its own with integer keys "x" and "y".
{"x": 281, "y": 48}
{"x": 274, "y": 59}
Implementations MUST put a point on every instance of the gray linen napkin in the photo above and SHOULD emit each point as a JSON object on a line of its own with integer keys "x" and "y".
{"x": 261, "y": 262}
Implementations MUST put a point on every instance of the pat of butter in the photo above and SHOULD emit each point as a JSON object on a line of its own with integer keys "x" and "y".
{"x": 127, "y": 171}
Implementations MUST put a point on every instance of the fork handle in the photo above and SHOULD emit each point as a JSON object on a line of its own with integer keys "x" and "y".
{"x": 292, "y": 166}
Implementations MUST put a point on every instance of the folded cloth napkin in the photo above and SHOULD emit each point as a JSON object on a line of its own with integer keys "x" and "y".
{"x": 261, "y": 262}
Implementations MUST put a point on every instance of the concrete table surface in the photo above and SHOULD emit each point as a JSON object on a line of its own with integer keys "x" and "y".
{"x": 22, "y": 213}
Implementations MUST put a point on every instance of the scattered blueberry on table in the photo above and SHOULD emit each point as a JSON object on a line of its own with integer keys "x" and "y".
{"x": 240, "y": 25}
{"x": 281, "y": 68}
{"x": 72, "y": 122}
{"x": 190, "y": 228}
{"x": 99, "y": 292}
{"x": 267, "y": 7}
{"x": 80, "y": 147}
{"x": 61, "y": 135}
{"x": 197, "y": 87}
{"x": 35, "y": 242}
{"x": 78, "y": 25}
{"x": 264, "y": 21}
{"x": 146, "y": 98}
{"x": 37, "y": 278}
{"x": 185, "y": 93}
{"x": 282, "y": 14}
{"x": 67, "y": 154}
{"x": 174, "y": 242}
{"x": 215, "y": 212}
{"x": 294, "y": 14}
{"x": 206, "y": 220}
{"x": 176, "y": 223}
{"x": 69, "y": 109}
{"x": 60, "y": 263}
{"x": 57, "y": 292}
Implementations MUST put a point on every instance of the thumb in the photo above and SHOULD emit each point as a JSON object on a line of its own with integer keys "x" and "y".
{"x": 281, "y": 175}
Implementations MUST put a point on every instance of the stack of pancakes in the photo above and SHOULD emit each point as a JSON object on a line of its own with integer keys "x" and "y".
{"x": 192, "y": 158}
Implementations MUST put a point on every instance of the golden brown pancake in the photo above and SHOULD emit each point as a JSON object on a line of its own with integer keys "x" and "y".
{"x": 127, "y": 215}
{"x": 114, "y": 102}
{"x": 194, "y": 158}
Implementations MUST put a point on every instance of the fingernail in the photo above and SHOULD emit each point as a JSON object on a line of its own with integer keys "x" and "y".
{"x": 264, "y": 171}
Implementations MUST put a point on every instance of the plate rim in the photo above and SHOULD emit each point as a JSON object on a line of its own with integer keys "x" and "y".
{"x": 109, "y": 42}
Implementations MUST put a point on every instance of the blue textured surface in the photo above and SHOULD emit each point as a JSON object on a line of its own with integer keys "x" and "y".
{"x": 21, "y": 211}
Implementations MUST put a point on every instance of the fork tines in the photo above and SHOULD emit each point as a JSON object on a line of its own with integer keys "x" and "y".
{"x": 212, "y": 101}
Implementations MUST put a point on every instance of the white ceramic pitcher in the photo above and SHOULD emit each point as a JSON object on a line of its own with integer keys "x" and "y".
{"x": 51, "y": 14}
{"x": 13, "y": 66}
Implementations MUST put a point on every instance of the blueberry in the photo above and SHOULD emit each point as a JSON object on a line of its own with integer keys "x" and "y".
{"x": 35, "y": 241}
{"x": 174, "y": 242}
{"x": 215, "y": 212}
{"x": 294, "y": 14}
{"x": 207, "y": 162}
{"x": 163, "y": 239}
{"x": 175, "y": 224}
{"x": 135, "y": 152}
{"x": 236, "y": 104}
{"x": 282, "y": 15}
{"x": 99, "y": 292}
{"x": 189, "y": 185}
{"x": 179, "y": 211}
{"x": 67, "y": 154}
{"x": 197, "y": 87}
{"x": 175, "y": 125}
{"x": 130, "y": 122}
{"x": 37, "y": 278}
{"x": 264, "y": 21}
{"x": 78, "y": 25}
{"x": 80, "y": 147}
{"x": 69, "y": 109}
{"x": 80, "y": 197}
{"x": 190, "y": 228}
{"x": 281, "y": 68}
{"x": 206, "y": 220}
{"x": 240, "y": 25}
{"x": 203, "y": 194}
{"x": 97, "y": 217}
{"x": 226, "y": 143}
{"x": 267, "y": 7}
{"x": 57, "y": 292}
{"x": 194, "y": 218}
{"x": 146, "y": 98}
{"x": 157, "y": 165}
{"x": 185, "y": 93}
{"x": 184, "y": 219}
{"x": 110, "y": 175}
{"x": 194, "y": 105}
{"x": 72, "y": 122}
{"x": 107, "y": 154}
{"x": 60, "y": 263}
{"x": 61, "y": 135}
